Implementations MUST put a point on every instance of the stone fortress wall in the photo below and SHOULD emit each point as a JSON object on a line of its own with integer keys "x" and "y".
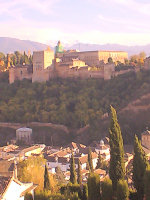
{"x": 73, "y": 64}
{"x": 19, "y": 73}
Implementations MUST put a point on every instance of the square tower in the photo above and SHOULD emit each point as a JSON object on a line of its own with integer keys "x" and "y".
{"x": 42, "y": 59}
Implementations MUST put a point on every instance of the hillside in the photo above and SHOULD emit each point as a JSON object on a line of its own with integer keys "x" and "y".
{"x": 8, "y": 45}
{"x": 133, "y": 119}
{"x": 77, "y": 103}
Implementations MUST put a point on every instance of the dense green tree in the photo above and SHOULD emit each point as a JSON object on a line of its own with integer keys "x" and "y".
{"x": 147, "y": 184}
{"x": 99, "y": 161}
{"x": 110, "y": 60}
{"x": 87, "y": 165}
{"x": 90, "y": 161}
{"x": 93, "y": 187}
{"x": 106, "y": 187}
{"x": 28, "y": 196}
{"x": 117, "y": 165}
{"x": 18, "y": 56}
{"x": 122, "y": 190}
{"x": 140, "y": 164}
{"x": 85, "y": 192}
{"x": 60, "y": 177}
{"x": 57, "y": 101}
{"x": 2, "y": 56}
{"x": 73, "y": 178}
{"x": 79, "y": 179}
{"x": 47, "y": 185}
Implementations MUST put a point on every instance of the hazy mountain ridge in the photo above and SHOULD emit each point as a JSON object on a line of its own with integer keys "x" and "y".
{"x": 8, "y": 45}
{"x": 113, "y": 47}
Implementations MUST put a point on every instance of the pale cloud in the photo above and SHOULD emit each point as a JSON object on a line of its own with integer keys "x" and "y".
{"x": 141, "y": 7}
{"x": 46, "y": 35}
{"x": 43, "y": 6}
{"x": 21, "y": 26}
{"x": 130, "y": 24}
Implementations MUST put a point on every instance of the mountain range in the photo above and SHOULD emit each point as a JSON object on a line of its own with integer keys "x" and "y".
{"x": 8, "y": 45}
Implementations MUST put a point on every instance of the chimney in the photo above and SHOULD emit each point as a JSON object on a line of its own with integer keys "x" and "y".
{"x": 56, "y": 159}
{"x": 15, "y": 169}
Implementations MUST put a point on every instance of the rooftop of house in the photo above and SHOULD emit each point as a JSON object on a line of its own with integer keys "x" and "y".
{"x": 100, "y": 171}
{"x": 62, "y": 153}
{"x": 8, "y": 148}
{"x": 147, "y": 151}
{"x": 86, "y": 150}
{"x": 30, "y": 188}
{"x": 128, "y": 148}
{"x": 84, "y": 159}
{"x": 6, "y": 167}
{"x": 4, "y": 181}
{"x": 147, "y": 132}
{"x": 74, "y": 145}
{"x": 83, "y": 172}
{"x": 24, "y": 129}
{"x": 28, "y": 149}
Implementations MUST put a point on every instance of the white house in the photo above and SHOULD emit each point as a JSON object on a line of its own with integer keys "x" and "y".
{"x": 24, "y": 135}
{"x": 62, "y": 162}
{"x": 13, "y": 189}
{"x": 103, "y": 150}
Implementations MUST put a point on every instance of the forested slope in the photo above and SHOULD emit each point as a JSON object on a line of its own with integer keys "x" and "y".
{"x": 73, "y": 102}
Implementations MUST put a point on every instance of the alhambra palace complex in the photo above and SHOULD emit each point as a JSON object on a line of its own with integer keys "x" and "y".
{"x": 72, "y": 63}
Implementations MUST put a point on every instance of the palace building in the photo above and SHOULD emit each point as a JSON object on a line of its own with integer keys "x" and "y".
{"x": 71, "y": 63}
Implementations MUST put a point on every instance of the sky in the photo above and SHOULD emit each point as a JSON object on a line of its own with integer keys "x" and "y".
{"x": 124, "y": 22}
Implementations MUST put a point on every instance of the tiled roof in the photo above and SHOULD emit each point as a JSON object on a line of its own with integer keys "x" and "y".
{"x": 100, "y": 171}
{"x": 30, "y": 148}
{"x": 147, "y": 151}
{"x": 75, "y": 145}
{"x": 32, "y": 187}
{"x": 83, "y": 159}
{"x": 61, "y": 153}
{"x": 4, "y": 181}
{"x": 86, "y": 150}
{"x": 147, "y": 132}
{"x": 6, "y": 167}
{"x": 63, "y": 160}
{"x": 50, "y": 158}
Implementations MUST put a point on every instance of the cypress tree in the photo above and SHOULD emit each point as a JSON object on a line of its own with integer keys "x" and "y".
{"x": 85, "y": 192}
{"x": 122, "y": 190}
{"x": 106, "y": 187}
{"x": 46, "y": 179}
{"x": 147, "y": 185}
{"x": 117, "y": 165}
{"x": 99, "y": 161}
{"x": 73, "y": 179}
{"x": 93, "y": 187}
{"x": 79, "y": 173}
{"x": 140, "y": 164}
{"x": 90, "y": 160}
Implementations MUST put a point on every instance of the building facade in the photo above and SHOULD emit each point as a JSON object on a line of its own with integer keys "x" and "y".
{"x": 72, "y": 64}
{"x": 146, "y": 139}
{"x": 24, "y": 135}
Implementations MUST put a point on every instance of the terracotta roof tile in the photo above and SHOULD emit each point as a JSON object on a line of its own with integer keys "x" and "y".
{"x": 4, "y": 181}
